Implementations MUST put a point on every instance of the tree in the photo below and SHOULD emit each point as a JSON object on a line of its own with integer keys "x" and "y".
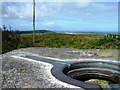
{"x": 33, "y": 22}
{"x": 4, "y": 27}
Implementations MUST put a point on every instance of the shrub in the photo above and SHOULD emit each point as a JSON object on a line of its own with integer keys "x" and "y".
{"x": 10, "y": 40}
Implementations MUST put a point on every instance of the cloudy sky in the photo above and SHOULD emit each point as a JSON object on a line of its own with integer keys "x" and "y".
{"x": 62, "y": 16}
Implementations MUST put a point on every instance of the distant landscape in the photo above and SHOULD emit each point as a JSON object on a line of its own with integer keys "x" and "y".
{"x": 65, "y": 32}
{"x": 46, "y": 38}
{"x": 86, "y": 32}
{"x": 37, "y": 32}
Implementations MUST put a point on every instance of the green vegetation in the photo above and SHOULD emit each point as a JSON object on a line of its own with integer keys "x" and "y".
{"x": 10, "y": 40}
{"x": 102, "y": 83}
{"x": 13, "y": 39}
{"x": 81, "y": 41}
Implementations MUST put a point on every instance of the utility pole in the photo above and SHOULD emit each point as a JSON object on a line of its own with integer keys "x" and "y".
{"x": 33, "y": 22}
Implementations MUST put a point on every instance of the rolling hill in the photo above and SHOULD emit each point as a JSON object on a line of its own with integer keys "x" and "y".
{"x": 37, "y": 31}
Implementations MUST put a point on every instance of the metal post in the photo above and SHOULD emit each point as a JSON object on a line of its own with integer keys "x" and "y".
{"x": 33, "y": 22}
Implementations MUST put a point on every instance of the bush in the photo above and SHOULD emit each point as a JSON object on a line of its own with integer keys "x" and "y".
{"x": 109, "y": 42}
{"x": 10, "y": 40}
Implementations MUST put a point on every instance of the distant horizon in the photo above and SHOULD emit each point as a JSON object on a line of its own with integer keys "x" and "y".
{"x": 93, "y": 31}
{"x": 63, "y": 30}
{"x": 59, "y": 16}
{"x": 75, "y": 31}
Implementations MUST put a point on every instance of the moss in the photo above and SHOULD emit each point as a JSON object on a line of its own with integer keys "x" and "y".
{"x": 102, "y": 83}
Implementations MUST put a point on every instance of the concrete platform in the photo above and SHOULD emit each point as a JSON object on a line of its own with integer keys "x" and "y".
{"x": 19, "y": 71}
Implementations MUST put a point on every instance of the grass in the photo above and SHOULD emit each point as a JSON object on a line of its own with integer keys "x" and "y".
{"x": 80, "y": 41}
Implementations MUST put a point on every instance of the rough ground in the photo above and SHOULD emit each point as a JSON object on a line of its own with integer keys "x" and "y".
{"x": 25, "y": 73}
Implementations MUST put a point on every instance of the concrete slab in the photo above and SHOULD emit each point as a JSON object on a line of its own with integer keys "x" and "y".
{"x": 19, "y": 71}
